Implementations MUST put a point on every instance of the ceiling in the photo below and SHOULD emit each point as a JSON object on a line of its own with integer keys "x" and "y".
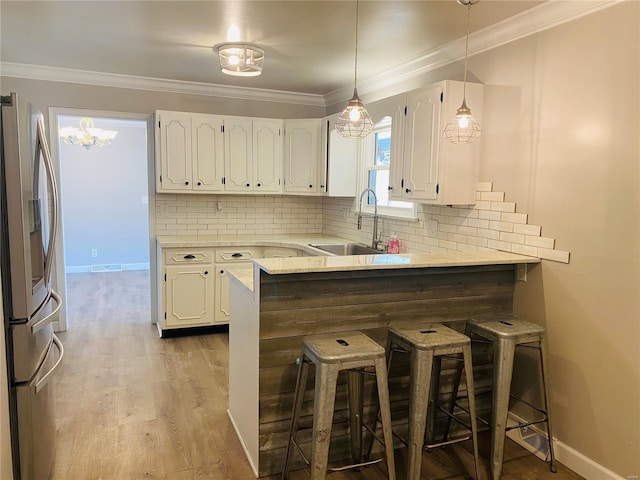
{"x": 309, "y": 44}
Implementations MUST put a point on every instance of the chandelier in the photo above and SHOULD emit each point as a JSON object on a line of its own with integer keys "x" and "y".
{"x": 240, "y": 59}
{"x": 87, "y": 135}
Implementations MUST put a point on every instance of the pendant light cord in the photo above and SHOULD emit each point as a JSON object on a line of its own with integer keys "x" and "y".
{"x": 466, "y": 53}
{"x": 355, "y": 75}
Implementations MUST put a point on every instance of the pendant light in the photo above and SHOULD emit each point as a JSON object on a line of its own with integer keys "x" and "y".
{"x": 464, "y": 128}
{"x": 355, "y": 121}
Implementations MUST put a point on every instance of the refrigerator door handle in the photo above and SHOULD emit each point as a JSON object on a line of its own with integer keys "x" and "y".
{"x": 44, "y": 147}
{"x": 39, "y": 383}
{"x": 46, "y": 320}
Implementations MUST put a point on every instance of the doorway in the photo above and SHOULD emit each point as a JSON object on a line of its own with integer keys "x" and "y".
{"x": 106, "y": 215}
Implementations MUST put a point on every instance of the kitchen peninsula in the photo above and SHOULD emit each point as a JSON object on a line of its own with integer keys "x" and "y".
{"x": 282, "y": 299}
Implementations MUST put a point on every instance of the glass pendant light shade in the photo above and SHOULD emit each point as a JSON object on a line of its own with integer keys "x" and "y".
{"x": 354, "y": 121}
{"x": 463, "y": 128}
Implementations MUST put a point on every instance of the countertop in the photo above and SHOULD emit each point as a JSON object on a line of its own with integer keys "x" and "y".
{"x": 275, "y": 266}
{"x": 295, "y": 241}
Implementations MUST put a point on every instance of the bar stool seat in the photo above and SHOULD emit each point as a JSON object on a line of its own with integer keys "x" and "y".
{"x": 331, "y": 354}
{"x": 427, "y": 346}
{"x": 506, "y": 334}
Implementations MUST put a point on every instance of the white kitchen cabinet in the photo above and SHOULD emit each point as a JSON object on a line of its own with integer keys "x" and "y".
{"x": 425, "y": 167}
{"x": 190, "y": 152}
{"x": 189, "y": 294}
{"x": 338, "y": 162}
{"x": 253, "y": 155}
{"x": 301, "y": 156}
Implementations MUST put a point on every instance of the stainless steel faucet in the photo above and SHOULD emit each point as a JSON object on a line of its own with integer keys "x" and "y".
{"x": 375, "y": 241}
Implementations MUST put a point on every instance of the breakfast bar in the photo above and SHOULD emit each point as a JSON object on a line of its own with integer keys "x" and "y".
{"x": 283, "y": 299}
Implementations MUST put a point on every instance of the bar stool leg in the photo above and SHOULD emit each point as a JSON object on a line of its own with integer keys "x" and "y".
{"x": 325, "y": 394}
{"x": 355, "y": 387}
{"x": 432, "y": 411}
{"x": 545, "y": 391}
{"x": 385, "y": 413}
{"x": 503, "y": 353}
{"x": 468, "y": 370}
{"x": 421, "y": 365}
{"x": 301, "y": 384}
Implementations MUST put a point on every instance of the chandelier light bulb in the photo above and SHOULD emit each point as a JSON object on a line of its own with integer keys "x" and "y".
{"x": 87, "y": 135}
{"x": 463, "y": 121}
{"x": 354, "y": 115}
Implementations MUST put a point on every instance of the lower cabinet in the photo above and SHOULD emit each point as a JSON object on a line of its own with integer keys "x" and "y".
{"x": 189, "y": 295}
{"x": 194, "y": 282}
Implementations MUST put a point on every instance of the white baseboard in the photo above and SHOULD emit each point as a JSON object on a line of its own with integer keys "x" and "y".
{"x": 244, "y": 447}
{"x": 565, "y": 455}
{"x": 120, "y": 267}
{"x": 582, "y": 464}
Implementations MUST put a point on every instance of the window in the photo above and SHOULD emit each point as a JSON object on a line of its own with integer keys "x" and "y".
{"x": 376, "y": 156}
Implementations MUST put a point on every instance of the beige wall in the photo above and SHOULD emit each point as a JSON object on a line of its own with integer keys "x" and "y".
{"x": 560, "y": 137}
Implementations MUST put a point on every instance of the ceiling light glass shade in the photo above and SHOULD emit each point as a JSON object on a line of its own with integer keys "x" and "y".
{"x": 463, "y": 128}
{"x": 87, "y": 135}
{"x": 354, "y": 121}
{"x": 240, "y": 59}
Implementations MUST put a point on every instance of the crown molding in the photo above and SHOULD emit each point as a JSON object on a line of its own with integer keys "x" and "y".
{"x": 55, "y": 74}
{"x": 543, "y": 17}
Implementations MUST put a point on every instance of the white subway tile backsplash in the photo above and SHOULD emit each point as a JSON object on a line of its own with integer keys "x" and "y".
{"x": 512, "y": 237}
{"x": 491, "y": 234}
{"x": 543, "y": 242}
{"x": 555, "y": 255}
{"x": 524, "y": 250}
{"x": 483, "y": 205}
{"x": 503, "y": 207}
{"x": 501, "y": 226}
{"x": 533, "y": 230}
{"x": 485, "y": 187}
{"x": 499, "y": 245}
{"x": 478, "y": 223}
{"x": 492, "y": 196}
{"x": 514, "y": 217}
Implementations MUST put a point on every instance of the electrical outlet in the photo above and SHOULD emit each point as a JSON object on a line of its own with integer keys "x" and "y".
{"x": 94, "y": 253}
{"x": 521, "y": 272}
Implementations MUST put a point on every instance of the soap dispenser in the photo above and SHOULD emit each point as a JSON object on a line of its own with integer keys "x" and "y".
{"x": 394, "y": 244}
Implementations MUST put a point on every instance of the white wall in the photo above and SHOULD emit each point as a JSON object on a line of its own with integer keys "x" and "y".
{"x": 105, "y": 197}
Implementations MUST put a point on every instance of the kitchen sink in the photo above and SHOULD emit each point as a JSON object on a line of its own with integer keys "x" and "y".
{"x": 346, "y": 248}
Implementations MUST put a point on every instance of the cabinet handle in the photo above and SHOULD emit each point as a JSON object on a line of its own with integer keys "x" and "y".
{"x": 199, "y": 183}
{"x": 310, "y": 186}
{"x": 248, "y": 184}
{"x": 236, "y": 255}
{"x": 206, "y": 272}
{"x": 189, "y": 257}
{"x": 221, "y": 272}
{"x": 408, "y": 190}
{"x": 389, "y": 187}
{"x": 186, "y": 183}
{"x": 259, "y": 184}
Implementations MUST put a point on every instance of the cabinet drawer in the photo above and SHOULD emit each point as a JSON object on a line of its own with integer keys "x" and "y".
{"x": 188, "y": 256}
{"x": 238, "y": 254}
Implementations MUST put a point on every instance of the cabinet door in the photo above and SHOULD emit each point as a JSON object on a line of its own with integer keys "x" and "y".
{"x": 396, "y": 162}
{"x": 208, "y": 153}
{"x": 175, "y": 151}
{"x": 238, "y": 154}
{"x": 189, "y": 292}
{"x": 222, "y": 290}
{"x": 339, "y": 162}
{"x": 267, "y": 155}
{"x": 301, "y": 156}
{"x": 422, "y": 144}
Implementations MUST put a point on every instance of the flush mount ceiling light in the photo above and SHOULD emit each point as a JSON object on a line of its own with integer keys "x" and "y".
{"x": 355, "y": 121}
{"x": 464, "y": 128}
{"x": 87, "y": 135}
{"x": 240, "y": 59}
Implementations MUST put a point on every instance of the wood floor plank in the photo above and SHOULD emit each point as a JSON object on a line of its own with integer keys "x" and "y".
{"x": 131, "y": 405}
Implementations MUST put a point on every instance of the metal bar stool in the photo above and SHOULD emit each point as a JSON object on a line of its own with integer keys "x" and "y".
{"x": 427, "y": 346}
{"x": 332, "y": 354}
{"x": 506, "y": 334}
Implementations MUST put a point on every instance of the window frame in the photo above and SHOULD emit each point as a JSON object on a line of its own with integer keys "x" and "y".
{"x": 366, "y": 155}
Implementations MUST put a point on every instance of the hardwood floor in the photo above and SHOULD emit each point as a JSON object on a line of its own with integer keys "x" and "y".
{"x": 131, "y": 405}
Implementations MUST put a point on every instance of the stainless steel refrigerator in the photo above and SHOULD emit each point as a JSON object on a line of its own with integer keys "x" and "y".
{"x": 28, "y": 222}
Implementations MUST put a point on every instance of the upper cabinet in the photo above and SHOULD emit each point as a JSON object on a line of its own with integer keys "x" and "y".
{"x": 190, "y": 151}
{"x": 425, "y": 167}
{"x": 338, "y": 161}
{"x": 301, "y": 155}
{"x": 200, "y": 153}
